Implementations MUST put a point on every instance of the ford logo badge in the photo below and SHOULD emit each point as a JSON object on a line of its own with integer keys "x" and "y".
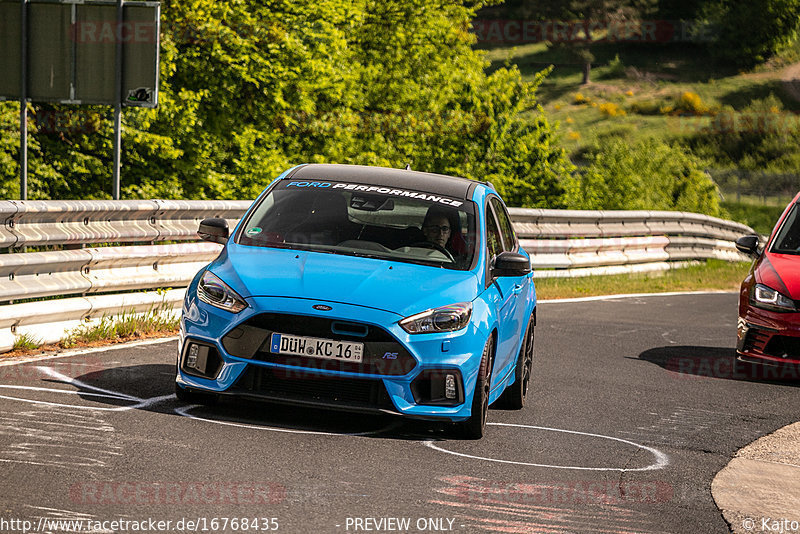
{"x": 321, "y": 307}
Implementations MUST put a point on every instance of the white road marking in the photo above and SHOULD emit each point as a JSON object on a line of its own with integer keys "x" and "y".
{"x": 634, "y": 295}
{"x": 183, "y": 410}
{"x": 66, "y": 391}
{"x": 662, "y": 460}
{"x": 83, "y": 385}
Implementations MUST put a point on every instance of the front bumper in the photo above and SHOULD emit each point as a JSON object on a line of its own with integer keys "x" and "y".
{"x": 400, "y": 373}
{"x": 768, "y": 337}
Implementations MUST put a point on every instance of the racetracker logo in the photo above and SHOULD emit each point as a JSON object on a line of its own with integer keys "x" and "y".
{"x": 86, "y": 366}
{"x": 51, "y": 122}
{"x": 700, "y": 367}
{"x": 592, "y": 31}
{"x": 478, "y": 491}
{"x": 107, "y": 32}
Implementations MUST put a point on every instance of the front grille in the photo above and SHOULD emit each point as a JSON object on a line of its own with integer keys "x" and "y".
{"x": 303, "y": 387}
{"x": 383, "y": 354}
{"x": 783, "y": 347}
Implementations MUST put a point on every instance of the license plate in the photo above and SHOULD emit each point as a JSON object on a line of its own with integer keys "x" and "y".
{"x": 313, "y": 347}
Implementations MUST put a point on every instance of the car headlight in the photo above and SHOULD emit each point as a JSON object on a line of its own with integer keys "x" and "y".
{"x": 214, "y": 291}
{"x": 770, "y": 299}
{"x": 444, "y": 319}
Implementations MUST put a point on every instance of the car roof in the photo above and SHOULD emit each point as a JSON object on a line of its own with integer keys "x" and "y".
{"x": 428, "y": 182}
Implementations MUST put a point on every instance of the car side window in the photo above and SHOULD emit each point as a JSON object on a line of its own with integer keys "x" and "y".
{"x": 506, "y": 229}
{"x": 787, "y": 241}
{"x": 494, "y": 241}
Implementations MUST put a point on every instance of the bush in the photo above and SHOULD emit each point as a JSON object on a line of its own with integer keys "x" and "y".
{"x": 760, "y": 138}
{"x": 610, "y": 109}
{"x": 616, "y": 68}
{"x": 691, "y": 103}
{"x": 580, "y": 99}
{"x": 648, "y": 175}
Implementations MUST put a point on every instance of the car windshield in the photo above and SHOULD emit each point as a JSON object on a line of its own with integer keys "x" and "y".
{"x": 787, "y": 240}
{"x": 365, "y": 220}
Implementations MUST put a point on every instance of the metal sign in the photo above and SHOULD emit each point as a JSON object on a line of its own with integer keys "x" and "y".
{"x": 79, "y": 52}
{"x": 10, "y": 49}
{"x": 71, "y": 50}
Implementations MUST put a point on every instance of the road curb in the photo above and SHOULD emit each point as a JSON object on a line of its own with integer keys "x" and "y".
{"x": 759, "y": 489}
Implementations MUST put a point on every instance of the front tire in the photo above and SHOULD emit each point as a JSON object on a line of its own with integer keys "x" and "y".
{"x": 193, "y": 397}
{"x": 474, "y": 427}
{"x": 513, "y": 398}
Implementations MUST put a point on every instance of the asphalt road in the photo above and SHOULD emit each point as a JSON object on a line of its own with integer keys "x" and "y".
{"x": 636, "y": 404}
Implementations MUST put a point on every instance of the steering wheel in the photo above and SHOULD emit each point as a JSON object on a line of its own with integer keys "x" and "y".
{"x": 434, "y": 246}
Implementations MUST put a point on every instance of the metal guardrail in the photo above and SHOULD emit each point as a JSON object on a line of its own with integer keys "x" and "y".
{"x": 567, "y": 243}
{"x": 561, "y": 243}
{"x": 83, "y": 222}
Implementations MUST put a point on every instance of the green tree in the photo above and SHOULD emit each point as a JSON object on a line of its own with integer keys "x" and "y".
{"x": 751, "y": 31}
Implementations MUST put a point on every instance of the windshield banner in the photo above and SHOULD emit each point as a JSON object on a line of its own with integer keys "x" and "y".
{"x": 377, "y": 189}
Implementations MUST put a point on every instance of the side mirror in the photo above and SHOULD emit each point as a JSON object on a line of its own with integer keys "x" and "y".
{"x": 215, "y": 230}
{"x": 511, "y": 264}
{"x": 748, "y": 244}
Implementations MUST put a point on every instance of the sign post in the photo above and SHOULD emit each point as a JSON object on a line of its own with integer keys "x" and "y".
{"x": 117, "y": 104}
{"x": 23, "y": 104}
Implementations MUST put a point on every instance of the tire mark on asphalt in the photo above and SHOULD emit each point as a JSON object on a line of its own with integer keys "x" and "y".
{"x": 58, "y": 438}
{"x": 679, "y": 428}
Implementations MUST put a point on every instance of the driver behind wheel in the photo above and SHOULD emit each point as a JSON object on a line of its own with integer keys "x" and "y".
{"x": 441, "y": 226}
{"x": 437, "y": 229}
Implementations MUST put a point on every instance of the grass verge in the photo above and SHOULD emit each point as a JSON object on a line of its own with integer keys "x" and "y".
{"x": 710, "y": 275}
{"x": 760, "y": 218}
{"x": 25, "y": 342}
{"x": 124, "y": 327}
{"x": 111, "y": 329}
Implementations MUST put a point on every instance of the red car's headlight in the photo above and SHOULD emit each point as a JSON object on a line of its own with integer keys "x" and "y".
{"x": 769, "y": 299}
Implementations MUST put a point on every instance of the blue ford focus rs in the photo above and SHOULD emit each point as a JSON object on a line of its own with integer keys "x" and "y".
{"x": 364, "y": 289}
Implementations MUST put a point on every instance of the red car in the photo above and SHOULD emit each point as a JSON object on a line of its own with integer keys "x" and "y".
{"x": 769, "y": 300}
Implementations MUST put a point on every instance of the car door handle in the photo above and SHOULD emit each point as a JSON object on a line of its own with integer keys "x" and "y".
{"x": 516, "y": 289}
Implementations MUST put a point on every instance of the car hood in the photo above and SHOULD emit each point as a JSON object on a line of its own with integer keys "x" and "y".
{"x": 781, "y": 272}
{"x": 401, "y": 288}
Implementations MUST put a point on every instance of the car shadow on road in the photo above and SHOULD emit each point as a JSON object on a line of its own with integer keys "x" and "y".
{"x": 694, "y": 362}
{"x": 151, "y": 388}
